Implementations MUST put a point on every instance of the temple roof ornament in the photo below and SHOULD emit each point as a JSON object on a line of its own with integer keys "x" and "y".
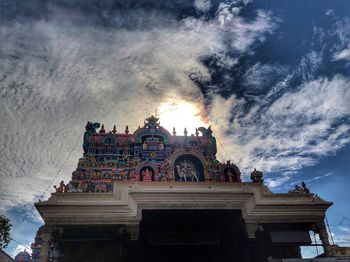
{"x": 102, "y": 130}
{"x": 257, "y": 176}
{"x": 91, "y": 127}
{"x": 23, "y": 257}
{"x": 303, "y": 189}
{"x": 207, "y": 132}
{"x": 152, "y": 122}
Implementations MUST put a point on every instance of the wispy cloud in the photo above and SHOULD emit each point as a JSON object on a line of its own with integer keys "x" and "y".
{"x": 342, "y": 33}
{"x": 343, "y": 54}
{"x": 277, "y": 182}
{"x": 342, "y": 238}
{"x": 19, "y": 248}
{"x": 291, "y": 132}
{"x": 57, "y": 73}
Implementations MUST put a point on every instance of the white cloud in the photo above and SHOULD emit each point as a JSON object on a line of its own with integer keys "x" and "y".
{"x": 19, "y": 248}
{"x": 342, "y": 238}
{"x": 343, "y": 54}
{"x": 239, "y": 28}
{"x": 202, "y": 5}
{"x": 276, "y": 182}
{"x": 345, "y": 229}
{"x": 57, "y": 73}
{"x": 259, "y": 76}
{"x": 342, "y": 32}
{"x": 329, "y": 12}
{"x": 293, "y": 131}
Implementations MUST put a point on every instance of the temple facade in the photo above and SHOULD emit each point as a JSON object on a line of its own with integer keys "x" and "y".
{"x": 152, "y": 195}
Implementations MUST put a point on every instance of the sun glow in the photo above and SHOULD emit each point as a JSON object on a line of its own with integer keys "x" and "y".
{"x": 181, "y": 115}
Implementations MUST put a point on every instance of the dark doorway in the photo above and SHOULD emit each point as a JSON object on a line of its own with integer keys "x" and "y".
{"x": 192, "y": 235}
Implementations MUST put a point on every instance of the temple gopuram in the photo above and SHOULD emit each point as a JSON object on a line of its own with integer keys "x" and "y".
{"x": 152, "y": 195}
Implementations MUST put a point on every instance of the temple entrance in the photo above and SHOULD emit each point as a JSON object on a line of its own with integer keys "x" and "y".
{"x": 192, "y": 235}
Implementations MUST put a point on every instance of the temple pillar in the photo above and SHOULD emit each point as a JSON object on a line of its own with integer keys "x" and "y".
{"x": 251, "y": 229}
{"x": 321, "y": 230}
{"x": 133, "y": 230}
{"x": 45, "y": 247}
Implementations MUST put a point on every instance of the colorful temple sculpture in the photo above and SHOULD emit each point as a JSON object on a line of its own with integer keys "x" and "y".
{"x": 23, "y": 256}
{"x": 150, "y": 154}
{"x": 36, "y": 246}
{"x": 152, "y": 195}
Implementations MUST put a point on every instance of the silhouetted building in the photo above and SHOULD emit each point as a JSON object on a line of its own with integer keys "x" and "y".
{"x": 155, "y": 196}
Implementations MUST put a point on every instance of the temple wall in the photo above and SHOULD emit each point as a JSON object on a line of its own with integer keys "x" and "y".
{"x": 4, "y": 257}
{"x": 92, "y": 251}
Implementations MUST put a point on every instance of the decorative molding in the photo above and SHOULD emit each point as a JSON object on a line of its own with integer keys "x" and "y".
{"x": 124, "y": 206}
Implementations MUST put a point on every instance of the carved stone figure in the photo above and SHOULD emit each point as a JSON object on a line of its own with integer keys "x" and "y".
{"x": 61, "y": 187}
{"x": 257, "y": 176}
{"x": 206, "y": 132}
{"x": 54, "y": 253}
{"x": 144, "y": 146}
{"x": 229, "y": 175}
{"x": 305, "y": 188}
{"x": 186, "y": 170}
{"x": 147, "y": 175}
{"x": 300, "y": 190}
{"x": 90, "y": 129}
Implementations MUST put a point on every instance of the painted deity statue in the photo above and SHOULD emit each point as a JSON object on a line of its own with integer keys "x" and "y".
{"x": 90, "y": 128}
{"x": 61, "y": 187}
{"x": 147, "y": 175}
{"x": 186, "y": 170}
{"x": 229, "y": 175}
{"x": 144, "y": 146}
{"x": 132, "y": 176}
{"x": 54, "y": 253}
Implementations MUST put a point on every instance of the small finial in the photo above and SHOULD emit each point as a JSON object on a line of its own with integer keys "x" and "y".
{"x": 114, "y": 129}
{"x": 127, "y": 130}
{"x": 174, "y": 131}
{"x": 185, "y": 132}
{"x": 305, "y": 188}
{"x": 197, "y": 133}
{"x": 102, "y": 130}
{"x": 257, "y": 176}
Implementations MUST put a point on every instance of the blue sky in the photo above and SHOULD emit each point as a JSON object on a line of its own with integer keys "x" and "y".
{"x": 271, "y": 77}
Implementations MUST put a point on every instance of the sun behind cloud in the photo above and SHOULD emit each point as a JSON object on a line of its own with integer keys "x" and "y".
{"x": 181, "y": 115}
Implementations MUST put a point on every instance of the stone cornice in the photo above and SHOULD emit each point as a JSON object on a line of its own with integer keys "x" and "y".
{"x": 125, "y": 204}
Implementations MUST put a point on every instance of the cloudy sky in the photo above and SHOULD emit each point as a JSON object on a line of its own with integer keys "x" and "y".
{"x": 271, "y": 77}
